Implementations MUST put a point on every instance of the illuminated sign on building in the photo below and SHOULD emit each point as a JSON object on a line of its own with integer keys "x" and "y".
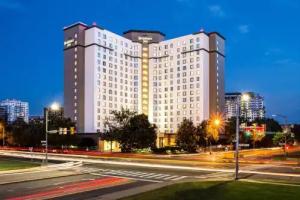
{"x": 145, "y": 39}
{"x": 68, "y": 42}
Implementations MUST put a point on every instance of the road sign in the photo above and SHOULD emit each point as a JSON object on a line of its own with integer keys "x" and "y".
{"x": 244, "y": 145}
{"x": 53, "y": 131}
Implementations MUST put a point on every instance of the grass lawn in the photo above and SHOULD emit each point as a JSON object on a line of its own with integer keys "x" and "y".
{"x": 222, "y": 191}
{"x": 10, "y": 164}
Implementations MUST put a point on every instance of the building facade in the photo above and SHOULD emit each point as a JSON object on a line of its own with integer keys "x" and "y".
{"x": 14, "y": 109}
{"x": 250, "y": 109}
{"x": 168, "y": 80}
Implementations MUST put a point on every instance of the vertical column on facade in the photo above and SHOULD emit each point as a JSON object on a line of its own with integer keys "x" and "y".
{"x": 145, "y": 77}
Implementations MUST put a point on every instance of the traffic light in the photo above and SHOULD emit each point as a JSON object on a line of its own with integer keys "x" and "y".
{"x": 247, "y": 133}
{"x": 65, "y": 131}
{"x": 60, "y": 131}
{"x": 72, "y": 130}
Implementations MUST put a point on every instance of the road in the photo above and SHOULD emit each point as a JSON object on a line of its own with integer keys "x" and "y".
{"x": 90, "y": 180}
{"x": 85, "y": 177}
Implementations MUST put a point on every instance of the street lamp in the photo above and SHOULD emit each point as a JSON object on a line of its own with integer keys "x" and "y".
{"x": 54, "y": 107}
{"x": 217, "y": 122}
{"x": 244, "y": 97}
{"x": 3, "y": 134}
{"x": 286, "y": 125}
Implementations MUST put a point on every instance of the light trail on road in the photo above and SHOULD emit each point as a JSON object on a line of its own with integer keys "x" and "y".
{"x": 146, "y": 165}
{"x": 74, "y": 188}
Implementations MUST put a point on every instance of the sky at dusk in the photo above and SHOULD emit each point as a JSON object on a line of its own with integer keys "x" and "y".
{"x": 262, "y": 42}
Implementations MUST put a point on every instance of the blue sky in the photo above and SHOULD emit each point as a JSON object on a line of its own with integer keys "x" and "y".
{"x": 262, "y": 42}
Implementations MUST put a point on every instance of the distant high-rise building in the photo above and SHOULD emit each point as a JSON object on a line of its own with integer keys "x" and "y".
{"x": 3, "y": 114}
{"x": 14, "y": 109}
{"x": 250, "y": 109}
{"x": 168, "y": 80}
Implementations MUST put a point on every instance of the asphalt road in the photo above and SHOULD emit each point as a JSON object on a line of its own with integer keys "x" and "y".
{"x": 58, "y": 180}
{"x": 39, "y": 188}
{"x": 92, "y": 180}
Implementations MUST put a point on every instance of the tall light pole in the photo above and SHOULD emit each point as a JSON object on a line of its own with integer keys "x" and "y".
{"x": 53, "y": 107}
{"x": 244, "y": 97}
{"x": 286, "y": 125}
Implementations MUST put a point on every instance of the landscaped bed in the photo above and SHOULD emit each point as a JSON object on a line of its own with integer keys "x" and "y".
{"x": 13, "y": 164}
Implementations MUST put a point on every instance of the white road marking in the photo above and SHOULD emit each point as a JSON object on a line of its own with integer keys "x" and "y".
{"x": 170, "y": 177}
{"x": 179, "y": 178}
{"x": 139, "y": 179}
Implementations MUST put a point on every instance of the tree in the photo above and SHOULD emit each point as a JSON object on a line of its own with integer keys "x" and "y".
{"x": 20, "y": 133}
{"x": 138, "y": 134}
{"x": 187, "y": 136}
{"x": 278, "y": 138}
{"x": 230, "y": 129}
{"x": 271, "y": 126}
{"x": 16, "y": 133}
{"x": 116, "y": 126}
{"x": 296, "y": 131}
{"x": 201, "y": 131}
{"x": 256, "y": 136}
{"x": 213, "y": 128}
{"x": 132, "y": 131}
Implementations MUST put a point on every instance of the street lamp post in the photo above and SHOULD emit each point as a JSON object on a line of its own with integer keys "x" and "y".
{"x": 54, "y": 107}
{"x": 286, "y": 125}
{"x": 237, "y": 137}
{"x": 244, "y": 97}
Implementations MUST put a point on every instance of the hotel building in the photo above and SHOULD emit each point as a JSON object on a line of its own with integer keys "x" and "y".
{"x": 166, "y": 79}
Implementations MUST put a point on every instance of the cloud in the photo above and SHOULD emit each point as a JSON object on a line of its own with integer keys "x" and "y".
{"x": 244, "y": 28}
{"x": 216, "y": 10}
{"x": 284, "y": 61}
{"x": 273, "y": 51}
{"x": 11, "y": 5}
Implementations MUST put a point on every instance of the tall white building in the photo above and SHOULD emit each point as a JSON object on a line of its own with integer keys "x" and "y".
{"x": 14, "y": 109}
{"x": 250, "y": 109}
{"x": 168, "y": 80}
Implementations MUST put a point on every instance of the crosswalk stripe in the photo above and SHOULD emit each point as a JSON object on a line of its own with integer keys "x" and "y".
{"x": 179, "y": 178}
{"x": 170, "y": 177}
{"x": 135, "y": 175}
{"x": 153, "y": 176}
